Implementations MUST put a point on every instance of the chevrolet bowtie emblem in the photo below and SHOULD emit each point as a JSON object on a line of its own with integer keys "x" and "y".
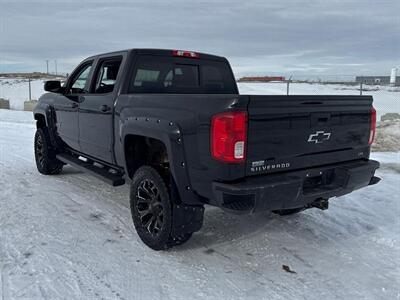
{"x": 319, "y": 137}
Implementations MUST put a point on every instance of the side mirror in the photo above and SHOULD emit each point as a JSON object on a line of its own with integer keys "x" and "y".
{"x": 52, "y": 86}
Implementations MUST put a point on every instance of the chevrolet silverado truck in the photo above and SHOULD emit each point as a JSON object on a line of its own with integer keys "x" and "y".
{"x": 173, "y": 125}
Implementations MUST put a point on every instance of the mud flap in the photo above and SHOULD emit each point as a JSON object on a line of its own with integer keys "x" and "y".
{"x": 186, "y": 219}
{"x": 374, "y": 180}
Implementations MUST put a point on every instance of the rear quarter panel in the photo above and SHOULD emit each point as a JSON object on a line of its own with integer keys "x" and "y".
{"x": 191, "y": 116}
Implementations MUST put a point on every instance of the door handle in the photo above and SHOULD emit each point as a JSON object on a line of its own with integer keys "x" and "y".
{"x": 74, "y": 105}
{"x": 105, "y": 108}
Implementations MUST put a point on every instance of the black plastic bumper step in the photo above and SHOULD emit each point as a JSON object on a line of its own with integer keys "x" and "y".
{"x": 115, "y": 179}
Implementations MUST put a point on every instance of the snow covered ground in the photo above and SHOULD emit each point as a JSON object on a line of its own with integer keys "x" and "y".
{"x": 17, "y": 91}
{"x": 71, "y": 237}
{"x": 386, "y": 99}
{"x": 387, "y": 136}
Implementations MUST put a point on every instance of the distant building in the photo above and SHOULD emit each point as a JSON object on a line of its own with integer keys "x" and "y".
{"x": 376, "y": 79}
{"x": 262, "y": 78}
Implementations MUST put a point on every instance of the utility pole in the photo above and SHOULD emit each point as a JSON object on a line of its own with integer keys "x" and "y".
{"x": 55, "y": 63}
{"x": 287, "y": 85}
{"x": 30, "y": 93}
{"x": 47, "y": 66}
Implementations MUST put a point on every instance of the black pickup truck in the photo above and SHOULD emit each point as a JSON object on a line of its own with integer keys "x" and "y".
{"x": 173, "y": 124}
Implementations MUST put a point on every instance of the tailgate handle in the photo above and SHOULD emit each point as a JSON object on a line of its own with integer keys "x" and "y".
{"x": 318, "y": 119}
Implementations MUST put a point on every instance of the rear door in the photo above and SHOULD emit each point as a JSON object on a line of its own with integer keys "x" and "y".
{"x": 293, "y": 132}
{"x": 96, "y": 109}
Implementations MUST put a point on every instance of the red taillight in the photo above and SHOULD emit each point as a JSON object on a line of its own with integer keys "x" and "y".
{"x": 184, "y": 53}
{"x": 228, "y": 136}
{"x": 373, "y": 126}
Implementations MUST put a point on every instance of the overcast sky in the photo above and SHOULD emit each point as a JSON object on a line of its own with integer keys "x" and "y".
{"x": 258, "y": 37}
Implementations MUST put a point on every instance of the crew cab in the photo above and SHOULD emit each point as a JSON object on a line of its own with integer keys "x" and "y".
{"x": 173, "y": 125}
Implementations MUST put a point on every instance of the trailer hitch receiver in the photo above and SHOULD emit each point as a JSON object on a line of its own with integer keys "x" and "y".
{"x": 320, "y": 203}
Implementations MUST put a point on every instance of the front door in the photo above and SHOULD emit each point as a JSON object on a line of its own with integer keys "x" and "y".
{"x": 96, "y": 111}
{"x": 66, "y": 106}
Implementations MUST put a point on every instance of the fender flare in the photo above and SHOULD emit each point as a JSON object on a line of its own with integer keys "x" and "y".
{"x": 47, "y": 112}
{"x": 169, "y": 133}
{"x": 42, "y": 110}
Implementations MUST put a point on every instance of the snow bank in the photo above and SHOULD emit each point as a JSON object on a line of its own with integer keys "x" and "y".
{"x": 71, "y": 236}
{"x": 17, "y": 91}
{"x": 387, "y": 136}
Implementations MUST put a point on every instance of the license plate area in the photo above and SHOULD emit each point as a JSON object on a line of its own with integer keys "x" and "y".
{"x": 323, "y": 180}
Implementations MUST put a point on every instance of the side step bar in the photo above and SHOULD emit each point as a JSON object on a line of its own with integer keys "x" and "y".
{"x": 115, "y": 179}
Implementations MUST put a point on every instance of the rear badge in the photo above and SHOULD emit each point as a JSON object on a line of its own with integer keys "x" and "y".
{"x": 259, "y": 166}
{"x": 319, "y": 137}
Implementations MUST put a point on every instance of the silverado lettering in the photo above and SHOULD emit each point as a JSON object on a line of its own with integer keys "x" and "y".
{"x": 258, "y": 168}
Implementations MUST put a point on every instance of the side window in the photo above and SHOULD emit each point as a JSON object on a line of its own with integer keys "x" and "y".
{"x": 106, "y": 76}
{"x": 79, "y": 82}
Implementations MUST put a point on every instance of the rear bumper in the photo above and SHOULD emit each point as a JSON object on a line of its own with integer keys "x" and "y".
{"x": 295, "y": 189}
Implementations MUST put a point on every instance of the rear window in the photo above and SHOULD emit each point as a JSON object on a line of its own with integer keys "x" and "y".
{"x": 154, "y": 74}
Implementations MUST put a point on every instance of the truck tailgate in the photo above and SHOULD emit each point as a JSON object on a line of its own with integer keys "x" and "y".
{"x": 294, "y": 132}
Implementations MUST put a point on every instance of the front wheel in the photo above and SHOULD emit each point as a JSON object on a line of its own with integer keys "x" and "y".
{"x": 45, "y": 156}
{"x": 152, "y": 210}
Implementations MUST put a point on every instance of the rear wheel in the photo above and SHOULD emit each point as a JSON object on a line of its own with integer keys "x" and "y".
{"x": 152, "y": 209}
{"x": 45, "y": 155}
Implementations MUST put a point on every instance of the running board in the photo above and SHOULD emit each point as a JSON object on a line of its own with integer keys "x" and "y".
{"x": 103, "y": 173}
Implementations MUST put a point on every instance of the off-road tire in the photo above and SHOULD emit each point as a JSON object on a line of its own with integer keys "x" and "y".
{"x": 152, "y": 208}
{"x": 45, "y": 155}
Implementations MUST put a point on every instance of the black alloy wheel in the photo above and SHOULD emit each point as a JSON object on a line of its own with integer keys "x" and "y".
{"x": 152, "y": 205}
{"x": 149, "y": 206}
{"x": 45, "y": 156}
